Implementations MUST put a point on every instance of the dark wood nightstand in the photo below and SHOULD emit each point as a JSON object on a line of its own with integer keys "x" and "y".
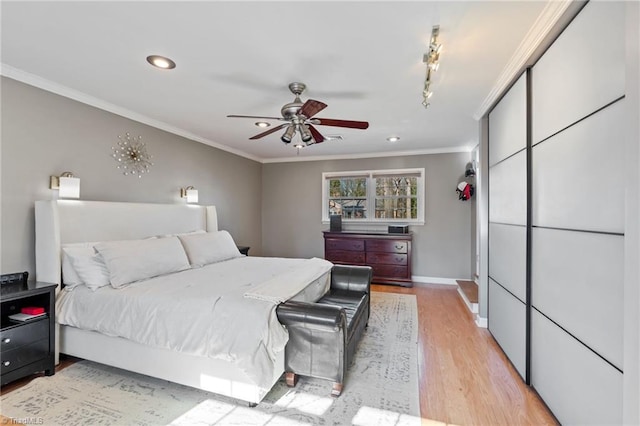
{"x": 27, "y": 347}
{"x": 244, "y": 250}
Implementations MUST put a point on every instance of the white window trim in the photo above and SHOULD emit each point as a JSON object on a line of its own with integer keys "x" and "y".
{"x": 371, "y": 195}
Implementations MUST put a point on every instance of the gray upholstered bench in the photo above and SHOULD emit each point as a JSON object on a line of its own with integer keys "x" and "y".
{"x": 323, "y": 335}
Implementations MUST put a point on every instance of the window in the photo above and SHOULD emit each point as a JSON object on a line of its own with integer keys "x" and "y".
{"x": 374, "y": 196}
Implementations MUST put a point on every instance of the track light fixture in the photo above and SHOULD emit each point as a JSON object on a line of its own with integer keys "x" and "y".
{"x": 431, "y": 58}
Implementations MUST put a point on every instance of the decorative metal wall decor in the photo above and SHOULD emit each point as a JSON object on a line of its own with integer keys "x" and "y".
{"x": 131, "y": 155}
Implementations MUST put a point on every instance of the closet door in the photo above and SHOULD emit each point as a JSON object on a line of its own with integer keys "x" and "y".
{"x": 508, "y": 224}
{"x": 577, "y": 245}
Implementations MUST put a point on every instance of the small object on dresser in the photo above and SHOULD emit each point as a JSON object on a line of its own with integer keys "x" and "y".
{"x": 32, "y": 310}
{"x": 398, "y": 229}
{"x": 335, "y": 223}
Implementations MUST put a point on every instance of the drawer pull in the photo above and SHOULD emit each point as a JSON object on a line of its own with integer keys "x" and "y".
{"x": 399, "y": 247}
{"x": 6, "y": 340}
{"x": 6, "y": 363}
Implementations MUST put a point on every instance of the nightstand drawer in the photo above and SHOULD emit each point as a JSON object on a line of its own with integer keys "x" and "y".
{"x": 23, "y": 334}
{"x": 19, "y": 357}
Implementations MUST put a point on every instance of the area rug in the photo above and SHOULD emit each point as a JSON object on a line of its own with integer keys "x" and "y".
{"x": 381, "y": 388}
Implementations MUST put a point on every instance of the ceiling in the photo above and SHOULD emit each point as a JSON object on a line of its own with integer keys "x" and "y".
{"x": 363, "y": 59}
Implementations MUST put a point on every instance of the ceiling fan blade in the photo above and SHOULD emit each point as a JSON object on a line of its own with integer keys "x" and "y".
{"x": 341, "y": 123}
{"x": 315, "y": 134}
{"x": 311, "y": 108}
{"x": 268, "y": 132}
{"x": 255, "y": 116}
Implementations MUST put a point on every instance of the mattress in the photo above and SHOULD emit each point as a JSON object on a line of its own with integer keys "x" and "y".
{"x": 200, "y": 311}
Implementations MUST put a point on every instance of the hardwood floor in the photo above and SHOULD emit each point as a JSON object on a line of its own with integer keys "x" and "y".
{"x": 465, "y": 379}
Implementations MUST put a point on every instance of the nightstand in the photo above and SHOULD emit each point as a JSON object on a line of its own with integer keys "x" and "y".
{"x": 26, "y": 347}
{"x": 244, "y": 250}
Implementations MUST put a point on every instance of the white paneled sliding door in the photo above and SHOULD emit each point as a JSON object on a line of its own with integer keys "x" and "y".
{"x": 577, "y": 246}
{"x": 507, "y": 305}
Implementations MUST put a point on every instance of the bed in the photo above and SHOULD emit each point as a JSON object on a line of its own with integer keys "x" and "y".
{"x": 251, "y": 287}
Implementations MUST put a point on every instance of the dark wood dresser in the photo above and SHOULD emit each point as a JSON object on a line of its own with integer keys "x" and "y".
{"x": 388, "y": 254}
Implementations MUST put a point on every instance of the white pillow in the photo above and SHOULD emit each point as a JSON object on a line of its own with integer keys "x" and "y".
{"x": 82, "y": 265}
{"x": 135, "y": 260}
{"x": 210, "y": 247}
{"x": 91, "y": 270}
{"x": 69, "y": 276}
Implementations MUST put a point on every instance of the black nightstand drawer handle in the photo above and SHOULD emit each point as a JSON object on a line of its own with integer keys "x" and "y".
{"x": 6, "y": 340}
{"x": 6, "y": 363}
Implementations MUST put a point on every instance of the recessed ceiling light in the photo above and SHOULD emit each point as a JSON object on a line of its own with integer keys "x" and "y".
{"x": 161, "y": 62}
{"x": 262, "y": 124}
{"x": 393, "y": 138}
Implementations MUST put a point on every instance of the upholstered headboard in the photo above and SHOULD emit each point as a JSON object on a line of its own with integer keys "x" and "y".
{"x": 70, "y": 221}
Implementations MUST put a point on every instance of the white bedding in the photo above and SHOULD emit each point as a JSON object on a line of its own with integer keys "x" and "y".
{"x": 199, "y": 311}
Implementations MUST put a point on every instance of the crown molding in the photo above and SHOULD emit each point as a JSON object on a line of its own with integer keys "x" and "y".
{"x": 369, "y": 155}
{"x": 67, "y": 92}
{"x": 546, "y": 21}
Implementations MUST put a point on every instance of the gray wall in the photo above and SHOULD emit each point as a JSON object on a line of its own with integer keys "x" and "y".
{"x": 292, "y": 211}
{"x": 45, "y": 134}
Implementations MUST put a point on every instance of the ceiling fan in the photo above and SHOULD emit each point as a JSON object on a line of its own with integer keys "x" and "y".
{"x": 300, "y": 118}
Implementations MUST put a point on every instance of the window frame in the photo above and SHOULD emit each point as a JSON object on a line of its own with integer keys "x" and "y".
{"x": 370, "y": 176}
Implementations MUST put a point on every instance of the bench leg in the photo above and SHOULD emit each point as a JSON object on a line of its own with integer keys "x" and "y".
{"x": 291, "y": 379}
{"x": 336, "y": 390}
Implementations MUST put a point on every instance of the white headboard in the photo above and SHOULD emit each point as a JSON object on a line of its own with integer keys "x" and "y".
{"x": 70, "y": 221}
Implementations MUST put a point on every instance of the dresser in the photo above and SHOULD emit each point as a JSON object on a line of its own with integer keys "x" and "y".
{"x": 27, "y": 347}
{"x": 388, "y": 254}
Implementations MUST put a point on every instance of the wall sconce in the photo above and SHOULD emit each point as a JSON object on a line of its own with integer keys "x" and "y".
{"x": 67, "y": 184}
{"x": 190, "y": 193}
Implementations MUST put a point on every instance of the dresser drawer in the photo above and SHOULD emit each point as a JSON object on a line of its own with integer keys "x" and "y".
{"x": 343, "y": 244}
{"x": 345, "y": 256}
{"x": 24, "y": 355}
{"x": 389, "y": 246}
{"x": 386, "y": 258}
{"x": 23, "y": 334}
{"x": 390, "y": 271}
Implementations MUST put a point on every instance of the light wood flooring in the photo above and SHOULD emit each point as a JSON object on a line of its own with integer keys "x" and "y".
{"x": 465, "y": 379}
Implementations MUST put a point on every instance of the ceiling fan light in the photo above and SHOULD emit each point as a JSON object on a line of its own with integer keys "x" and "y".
{"x": 288, "y": 134}
{"x": 305, "y": 134}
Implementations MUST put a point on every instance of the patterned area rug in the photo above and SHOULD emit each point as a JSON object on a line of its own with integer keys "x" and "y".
{"x": 381, "y": 388}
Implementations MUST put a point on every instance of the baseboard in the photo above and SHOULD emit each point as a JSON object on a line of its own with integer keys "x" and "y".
{"x": 481, "y": 322}
{"x": 417, "y": 279}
